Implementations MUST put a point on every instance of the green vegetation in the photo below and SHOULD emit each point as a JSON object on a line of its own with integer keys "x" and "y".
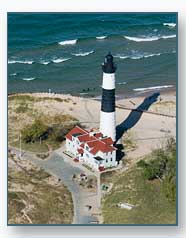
{"x": 150, "y": 186}
{"x": 41, "y": 130}
{"x": 32, "y": 147}
{"x": 29, "y": 98}
{"x": 162, "y": 166}
{"x": 47, "y": 132}
{"x": 22, "y": 108}
{"x": 36, "y": 131}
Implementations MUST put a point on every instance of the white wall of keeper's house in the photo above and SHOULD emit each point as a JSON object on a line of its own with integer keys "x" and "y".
{"x": 109, "y": 159}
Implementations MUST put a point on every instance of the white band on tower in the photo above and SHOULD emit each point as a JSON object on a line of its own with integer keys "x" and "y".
{"x": 107, "y": 117}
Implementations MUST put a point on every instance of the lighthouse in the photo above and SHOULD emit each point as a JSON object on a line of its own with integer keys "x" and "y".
{"x": 108, "y": 115}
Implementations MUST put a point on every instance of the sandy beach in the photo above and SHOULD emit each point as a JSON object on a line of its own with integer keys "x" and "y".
{"x": 149, "y": 133}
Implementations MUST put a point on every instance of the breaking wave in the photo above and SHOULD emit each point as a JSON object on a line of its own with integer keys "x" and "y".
{"x": 137, "y": 56}
{"x": 83, "y": 53}
{"x": 167, "y": 37}
{"x": 44, "y": 62}
{"x": 13, "y": 74}
{"x": 122, "y": 83}
{"x": 169, "y": 24}
{"x": 29, "y": 79}
{"x": 68, "y": 42}
{"x": 60, "y": 60}
{"x": 20, "y": 62}
{"x": 148, "y": 38}
{"x": 101, "y": 37}
{"x": 152, "y": 88}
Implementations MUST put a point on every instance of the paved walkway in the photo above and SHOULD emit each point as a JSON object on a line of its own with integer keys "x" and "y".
{"x": 63, "y": 168}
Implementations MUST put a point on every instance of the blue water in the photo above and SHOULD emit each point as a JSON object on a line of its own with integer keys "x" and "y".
{"x": 64, "y": 52}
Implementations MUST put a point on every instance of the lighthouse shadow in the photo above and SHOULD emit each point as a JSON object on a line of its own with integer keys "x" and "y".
{"x": 132, "y": 119}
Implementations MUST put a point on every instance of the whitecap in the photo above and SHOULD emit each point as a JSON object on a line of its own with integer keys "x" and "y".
{"x": 83, "y": 53}
{"x": 139, "y": 39}
{"x": 167, "y": 37}
{"x": 151, "y": 55}
{"x": 68, "y": 42}
{"x": 29, "y": 79}
{"x": 137, "y": 56}
{"x": 149, "y": 38}
{"x": 20, "y": 62}
{"x": 153, "y": 88}
{"x": 44, "y": 62}
{"x": 169, "y": 24}
{"x": 122, "y": 83}
{"x": 101, "y": 37}
{"x": 13, "y": 74}
{"x": 60, "y": 60}
{"x": 121, "y": 56}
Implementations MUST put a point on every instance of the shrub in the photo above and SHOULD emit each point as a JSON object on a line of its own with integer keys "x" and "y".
{"x": 38, "y": 130}
{"x": 163, "y": 166}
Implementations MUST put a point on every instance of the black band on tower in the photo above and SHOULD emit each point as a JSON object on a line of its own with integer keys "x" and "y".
{"x": 108, "y": 100}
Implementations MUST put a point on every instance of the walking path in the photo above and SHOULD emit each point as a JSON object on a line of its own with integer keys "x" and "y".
{"x": 63, "y": 168}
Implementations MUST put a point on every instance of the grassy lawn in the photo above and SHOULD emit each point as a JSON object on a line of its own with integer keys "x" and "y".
{"x": 152, "y": 207}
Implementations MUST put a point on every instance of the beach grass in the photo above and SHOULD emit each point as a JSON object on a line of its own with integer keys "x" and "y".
{"x": 148, "y": 185}
{"x": 150, "y": 204}
{"x": 32, "y": 147}
{"x": 26, "y": 109}
{"x": 33, "y": 199}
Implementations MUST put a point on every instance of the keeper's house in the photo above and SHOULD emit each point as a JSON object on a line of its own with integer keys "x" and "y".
{"x": 91, "y": 148}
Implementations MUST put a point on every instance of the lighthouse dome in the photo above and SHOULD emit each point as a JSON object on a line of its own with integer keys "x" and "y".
{"x": 109, "y": 66}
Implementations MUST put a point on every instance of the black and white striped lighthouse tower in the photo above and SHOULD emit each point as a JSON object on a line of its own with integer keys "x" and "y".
{"x": 108, "y": 116}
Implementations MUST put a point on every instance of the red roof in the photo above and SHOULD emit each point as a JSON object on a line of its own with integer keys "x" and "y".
{"x": 98, "y": 135}
{"x": 108, "y": 141}
{"x": 101, "y": 146}
{"x": 75, "y": 130}
{"x": 104, "y": 145}
{"x": 85, "y": 138}
{"x": 80, "y": 151}
{"x": 92, "y": 143}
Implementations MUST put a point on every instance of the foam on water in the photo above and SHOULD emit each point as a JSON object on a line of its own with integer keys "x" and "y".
{"x": 20, "y": 62}
{"x": 148, "y": 38}
{"x": 13, "y": 74}
{"x": 122, "y": 83}
{"x": 101, "y": 37}
{"x": 169, "y": 24}
{"x": 29, "y": 79}
{"x": 68, "y": 42}
{"x": 60, "y": 60}
{"x": 44, "y": 62}
{"x": 83, "y": 53}
{"x": 152, "y": 88}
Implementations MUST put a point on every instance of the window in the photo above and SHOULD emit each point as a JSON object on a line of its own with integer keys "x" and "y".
{"x": 110, "y": 159}
{"x": 106, "y": 160}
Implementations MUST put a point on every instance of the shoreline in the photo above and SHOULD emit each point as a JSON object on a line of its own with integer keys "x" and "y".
{"x": 159, "y": 123}
{"x": 145, "y": 93}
